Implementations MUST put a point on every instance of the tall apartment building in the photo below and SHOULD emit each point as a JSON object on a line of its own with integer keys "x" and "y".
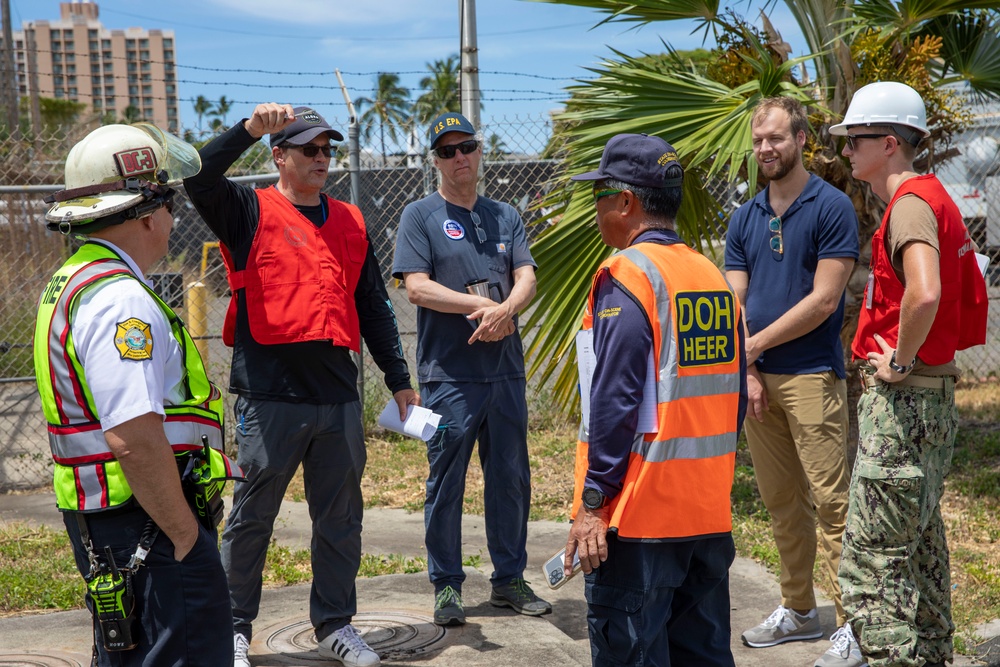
{"x": 77, "y": 58}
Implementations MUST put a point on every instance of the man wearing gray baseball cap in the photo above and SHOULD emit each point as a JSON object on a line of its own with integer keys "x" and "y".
{"x": 651, "y": 505}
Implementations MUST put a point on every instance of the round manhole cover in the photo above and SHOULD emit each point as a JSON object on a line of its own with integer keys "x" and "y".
{"x": 391, "y": 634}
{"x": 50, "y": 659}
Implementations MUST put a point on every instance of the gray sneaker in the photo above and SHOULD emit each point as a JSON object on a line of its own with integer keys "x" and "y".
{"x": 783, "y": 625}
{"x": 517, "y": 595}
{"x": 843, "y": 652}
{"x": 448, "y": 607}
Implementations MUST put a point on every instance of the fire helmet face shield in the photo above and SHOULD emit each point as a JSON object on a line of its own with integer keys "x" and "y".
{"x": 112, "y": 171}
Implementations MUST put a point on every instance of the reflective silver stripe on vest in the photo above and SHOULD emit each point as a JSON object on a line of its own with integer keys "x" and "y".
{"x": 61, "y": 369}
{"x": 69, "y": 444}
{"x": 705, "y": 447}
{"x": 88, "y": 482}
{"x": 85, "y": 443}
{"x": 669, "y": 388}
{"x": 185, "y": 432}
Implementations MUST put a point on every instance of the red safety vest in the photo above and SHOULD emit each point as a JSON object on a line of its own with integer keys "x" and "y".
{"x": 679, "y": 479}
{"x": 299, "y": 280}
{"x": 961, "y": 316}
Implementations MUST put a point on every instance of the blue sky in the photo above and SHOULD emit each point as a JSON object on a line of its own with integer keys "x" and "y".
{"x": 528, "y": 51}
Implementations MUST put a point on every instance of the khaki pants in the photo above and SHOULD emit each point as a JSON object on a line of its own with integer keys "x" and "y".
{"x": 799, "y": 458}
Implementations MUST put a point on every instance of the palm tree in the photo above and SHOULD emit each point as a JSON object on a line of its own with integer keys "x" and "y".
{"x": 441, "y": 90}
{"x": 389, "y": 109}
{"x": 219, "y": 112}
{"x": 496, "y": 149}
{"x": 704, "y": 112}
{"x": 131, "y": 115}
{"x": 201, "y": 107}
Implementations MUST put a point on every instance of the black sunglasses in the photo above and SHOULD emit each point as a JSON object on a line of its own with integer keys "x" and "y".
{"x": 312, "y": 150}
{"x": 448, "y": 152}
{"x": 480, "y": 232}
{"x": 852, "y": 138}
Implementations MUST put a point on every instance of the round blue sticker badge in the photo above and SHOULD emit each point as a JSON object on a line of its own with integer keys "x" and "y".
{"x": 453, "y": 230}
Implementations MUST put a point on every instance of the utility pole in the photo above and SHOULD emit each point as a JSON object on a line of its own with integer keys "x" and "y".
{"x": 36, "y": 112}
{"x": 470, "y": 69}
{"x": 8, "y": 80}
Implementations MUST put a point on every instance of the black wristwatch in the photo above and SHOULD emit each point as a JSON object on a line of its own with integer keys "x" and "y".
{"x": 593, "y": 499}
{"x": 902, "y": 370}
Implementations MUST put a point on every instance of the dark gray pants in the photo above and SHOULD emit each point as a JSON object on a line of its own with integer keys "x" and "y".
{"x": 273, "y": 439}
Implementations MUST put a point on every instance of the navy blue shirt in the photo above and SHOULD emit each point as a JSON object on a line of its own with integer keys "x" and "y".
{"x": 440, "y": 239}
{"x": 623, "y": 338}
{"x": 820, "y": 224}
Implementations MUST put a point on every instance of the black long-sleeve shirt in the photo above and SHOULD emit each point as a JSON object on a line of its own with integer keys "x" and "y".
{"x": 308, "y": 372}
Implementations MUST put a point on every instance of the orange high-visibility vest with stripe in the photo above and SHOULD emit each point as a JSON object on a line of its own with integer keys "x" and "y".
{"x": 678, "y": 480}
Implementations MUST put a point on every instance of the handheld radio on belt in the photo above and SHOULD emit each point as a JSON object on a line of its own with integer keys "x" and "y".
{"x": 111, "y": 589}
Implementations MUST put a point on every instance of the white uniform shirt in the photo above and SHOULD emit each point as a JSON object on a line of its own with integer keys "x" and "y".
{"x": 131, "y": 369}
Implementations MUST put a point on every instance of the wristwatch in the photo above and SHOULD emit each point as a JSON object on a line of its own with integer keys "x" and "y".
{"x": 902, "y": 370}
{"x": 593, "y": 499}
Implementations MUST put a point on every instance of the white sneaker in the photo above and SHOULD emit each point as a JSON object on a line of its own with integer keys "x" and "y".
{"x": 783, "y": 625}
{"x": 347, "y": 646}
{"x": 843, "y": 652}
{"x": 240, "y": 648}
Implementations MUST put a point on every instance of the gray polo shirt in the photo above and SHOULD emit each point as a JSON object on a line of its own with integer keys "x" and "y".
{"x": 440, "y": 239}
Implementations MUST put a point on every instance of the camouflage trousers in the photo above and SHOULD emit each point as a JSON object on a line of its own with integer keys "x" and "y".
{"x": 894, "y": 571}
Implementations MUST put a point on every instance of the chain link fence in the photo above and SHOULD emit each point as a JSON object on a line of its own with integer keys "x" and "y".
{"x": 192, "y": 276}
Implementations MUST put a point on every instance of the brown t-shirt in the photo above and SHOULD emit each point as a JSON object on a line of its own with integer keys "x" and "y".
{"x": 912, "y": 219}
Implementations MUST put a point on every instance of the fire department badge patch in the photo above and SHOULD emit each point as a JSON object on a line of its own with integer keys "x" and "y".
{"x": 134, "y": 340}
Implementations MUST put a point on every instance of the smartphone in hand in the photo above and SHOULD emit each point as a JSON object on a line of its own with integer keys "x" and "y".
{"x": 553, "y": 569}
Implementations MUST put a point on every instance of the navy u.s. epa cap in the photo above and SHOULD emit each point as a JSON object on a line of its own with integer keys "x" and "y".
{"x": 636, "y": 159}
{"x": 449, "y": 122}
{"x": 307, "y": 126}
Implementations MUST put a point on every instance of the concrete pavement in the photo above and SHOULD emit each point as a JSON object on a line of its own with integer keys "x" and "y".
{"x": 395, "y": 611}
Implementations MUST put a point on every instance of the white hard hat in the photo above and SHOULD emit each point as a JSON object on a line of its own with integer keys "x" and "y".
{"x": 113, "y": 170}
{"x": 885, "y": 103}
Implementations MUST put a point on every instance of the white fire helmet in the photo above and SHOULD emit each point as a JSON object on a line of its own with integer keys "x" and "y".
{"x": 885, "y": 103}
{"x": 115, "y": 169}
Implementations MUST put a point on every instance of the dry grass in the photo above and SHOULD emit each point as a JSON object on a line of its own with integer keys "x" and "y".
{"x": 397, "y": 470}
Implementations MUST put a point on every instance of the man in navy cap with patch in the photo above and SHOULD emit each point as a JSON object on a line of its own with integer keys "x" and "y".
{"x": 465, "y": 262}
{"x": 652, "y": 516}
{"x": 306, "y": 289}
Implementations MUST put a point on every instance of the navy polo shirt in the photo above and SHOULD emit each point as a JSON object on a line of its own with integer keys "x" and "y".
{"x": 440, "y": 239}
{"x": 820, "y": 224}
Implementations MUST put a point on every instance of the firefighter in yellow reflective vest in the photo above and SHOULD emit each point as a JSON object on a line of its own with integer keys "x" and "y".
{"x": 126, "y": 396}
{"x": 667, "y": 397}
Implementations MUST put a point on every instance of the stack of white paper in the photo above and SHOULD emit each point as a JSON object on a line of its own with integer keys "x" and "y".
{"x": 420, "y": 422}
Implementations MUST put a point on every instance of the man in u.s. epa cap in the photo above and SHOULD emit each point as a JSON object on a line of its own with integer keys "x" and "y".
{"x": 651, "y": 503}
{"x": 465, "y": 261}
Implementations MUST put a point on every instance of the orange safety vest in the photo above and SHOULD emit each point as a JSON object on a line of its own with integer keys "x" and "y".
{"x": 962, "y": 312}
{"x": 299, "y": 279}
{"x": 679, "y": 479}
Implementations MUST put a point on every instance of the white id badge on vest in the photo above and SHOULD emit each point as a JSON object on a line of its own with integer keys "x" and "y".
{"x": 869, "y": 290}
